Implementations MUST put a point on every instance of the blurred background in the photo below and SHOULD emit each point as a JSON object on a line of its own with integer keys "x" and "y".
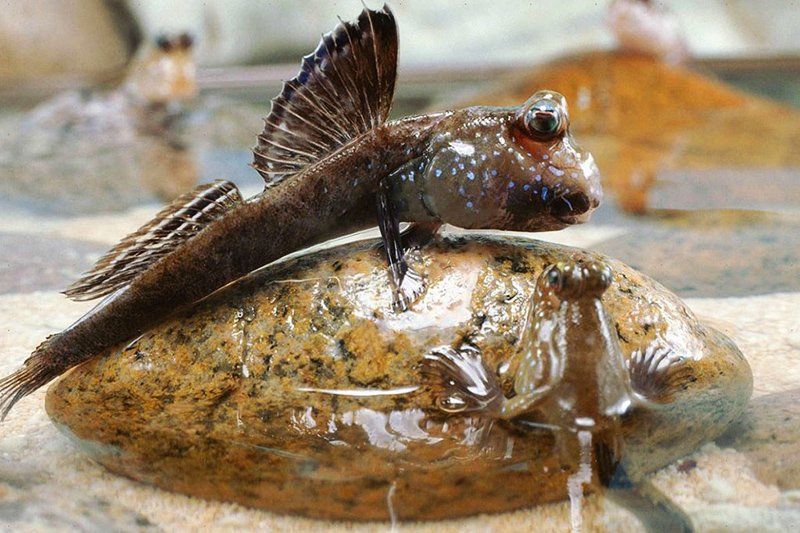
{"x": 50, "y": 44}
{"x": 109, "y": 109}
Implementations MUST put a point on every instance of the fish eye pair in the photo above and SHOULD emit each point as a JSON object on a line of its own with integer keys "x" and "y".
{"x": 571, "y": 281}
{"x": 166, "y": 43}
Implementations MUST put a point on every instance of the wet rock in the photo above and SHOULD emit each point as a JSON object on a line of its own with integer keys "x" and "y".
{"x": 298, "y": 389}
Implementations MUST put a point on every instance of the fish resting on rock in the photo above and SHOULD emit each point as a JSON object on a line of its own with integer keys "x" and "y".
{"x": 300, "y": 390}
{"x": 333, "y": 164}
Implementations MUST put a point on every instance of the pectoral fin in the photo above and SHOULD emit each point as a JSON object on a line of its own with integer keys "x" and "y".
{"x": 460, "y": 381}
{"x": 174, "y": 225}
{"x": 657, "y": 373}
{"x": 409, "y": 284}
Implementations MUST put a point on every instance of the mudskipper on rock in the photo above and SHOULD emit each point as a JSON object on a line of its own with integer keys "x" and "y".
{"x": 329, "y": 156}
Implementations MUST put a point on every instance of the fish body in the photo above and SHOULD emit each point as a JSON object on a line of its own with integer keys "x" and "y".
{"x": 570, "y": 375}
{"x": 333, "y": 164}
{"x": 571, "y": 367}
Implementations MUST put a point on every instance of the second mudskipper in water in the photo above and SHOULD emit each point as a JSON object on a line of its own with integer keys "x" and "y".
{"x": 570, "y": 376}
{"x": 329, "y": 156}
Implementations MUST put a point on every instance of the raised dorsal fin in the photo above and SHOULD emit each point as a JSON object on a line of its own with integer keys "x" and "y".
{"x": 343, "y": 89}
{"x": 171, "y": 227}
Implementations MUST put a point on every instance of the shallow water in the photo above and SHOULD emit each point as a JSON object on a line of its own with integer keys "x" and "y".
{"x": 726, "y": 236}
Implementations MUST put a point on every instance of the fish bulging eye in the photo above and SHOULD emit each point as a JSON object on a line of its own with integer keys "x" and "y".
{"x": 185, "y": 41}
{"x": 544, "y": 119}
{"x": 555, "y": 279}
{"x": 163, "y": 43}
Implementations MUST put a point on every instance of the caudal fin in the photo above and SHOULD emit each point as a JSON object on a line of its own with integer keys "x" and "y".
{"x": 34, "y": 373}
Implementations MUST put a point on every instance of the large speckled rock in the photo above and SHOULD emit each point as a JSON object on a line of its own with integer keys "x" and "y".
{"x": 217, "y": 403}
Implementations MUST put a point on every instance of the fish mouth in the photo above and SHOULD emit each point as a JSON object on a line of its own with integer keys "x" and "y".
{"x": 574, "y": 208}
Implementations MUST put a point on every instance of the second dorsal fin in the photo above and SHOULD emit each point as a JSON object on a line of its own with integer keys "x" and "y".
{"x": 343, "y": 89}
{"x": 171, "y": 227}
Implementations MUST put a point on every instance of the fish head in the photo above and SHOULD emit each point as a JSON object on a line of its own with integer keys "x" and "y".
{"x": 164, "y": 72}
{"x": 647, "y": 28}
{"x": 512, "y": 169}
{"x": 573, "y": 281}
{"x": 556, "y": 182}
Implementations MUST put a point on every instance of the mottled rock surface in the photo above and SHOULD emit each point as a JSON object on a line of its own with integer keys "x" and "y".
{"x": 212, "y": 404}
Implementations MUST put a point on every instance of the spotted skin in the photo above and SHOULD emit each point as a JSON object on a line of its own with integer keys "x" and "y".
{"x": 485, "y": 168}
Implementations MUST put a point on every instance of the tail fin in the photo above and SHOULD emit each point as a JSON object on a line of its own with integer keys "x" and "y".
{"x": 34, "y": 373}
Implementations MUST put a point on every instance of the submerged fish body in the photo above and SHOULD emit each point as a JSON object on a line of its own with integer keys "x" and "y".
{"x": 299, "y": 390}
{"x": 570, "y": 375}
{"x": 328, "y": 157}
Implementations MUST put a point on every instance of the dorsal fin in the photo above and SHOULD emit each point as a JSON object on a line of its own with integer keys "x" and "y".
{"x": 343, "y": 89}
{"x": 171, "y": 227}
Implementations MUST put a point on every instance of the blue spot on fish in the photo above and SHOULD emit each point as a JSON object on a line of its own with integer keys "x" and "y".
{"x": 470, "y": 205}
{"x": 526, "y": 187}
{"x": 453, "y": 171}
{"x": 544, "y": 193}
{"x": 510, "y": 184}
{"x": 438, "y": 172}
{"x": 470, "y": 175}
{"x": 494, "y": 172}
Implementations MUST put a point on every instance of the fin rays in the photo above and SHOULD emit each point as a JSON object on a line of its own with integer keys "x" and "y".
{"x": 344, "y": 88}
{"x": 657, "y": 373}
{"x": 33, "y": 374}
{"x": 173, "y": 226}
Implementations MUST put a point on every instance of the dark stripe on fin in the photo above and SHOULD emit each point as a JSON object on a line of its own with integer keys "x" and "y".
{"x": 184, "y": 218}
{"x": 657, "y": 373}
{"x": 343, "y": 89}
